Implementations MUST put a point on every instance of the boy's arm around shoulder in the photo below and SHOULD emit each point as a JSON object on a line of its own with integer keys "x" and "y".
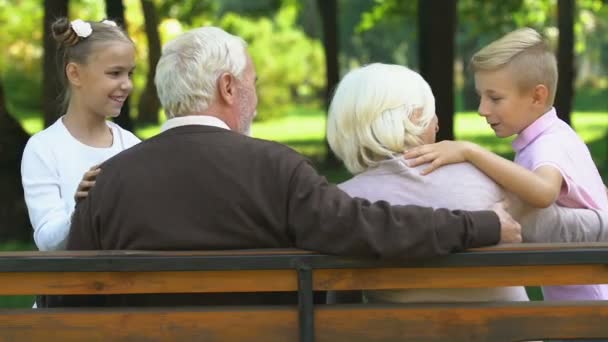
{"x": 539, "y": 188}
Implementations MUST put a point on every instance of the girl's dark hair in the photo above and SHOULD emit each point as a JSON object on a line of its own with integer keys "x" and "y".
{"x": 72, "y": 48}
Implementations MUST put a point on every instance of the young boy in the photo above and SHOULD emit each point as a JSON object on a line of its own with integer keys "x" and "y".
{"x": 516, "y": 79}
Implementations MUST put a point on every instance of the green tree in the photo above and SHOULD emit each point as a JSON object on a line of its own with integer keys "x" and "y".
{"x": 329, "y": 17}
{"x": 437, "y": 23}
{"x": 565, "y": 58}
{"x": 53, "y": 9}
{"x": 289, "y": 64}
{"x": 149, "y": 105}
{"x": 17, "y": 40}
{"x": 13, "y": 215}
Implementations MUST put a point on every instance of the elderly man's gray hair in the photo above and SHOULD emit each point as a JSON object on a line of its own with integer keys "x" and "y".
{"x": 190, "y": 65}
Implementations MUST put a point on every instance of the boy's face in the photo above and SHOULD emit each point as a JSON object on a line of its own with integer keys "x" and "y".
{"x": 507, "y": 109}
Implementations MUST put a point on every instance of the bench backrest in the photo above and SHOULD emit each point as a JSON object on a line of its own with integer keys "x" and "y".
{"x": 127, "y": 272}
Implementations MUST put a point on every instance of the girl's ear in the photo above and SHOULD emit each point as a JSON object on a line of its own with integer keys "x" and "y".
{"x": 74, "y": 74}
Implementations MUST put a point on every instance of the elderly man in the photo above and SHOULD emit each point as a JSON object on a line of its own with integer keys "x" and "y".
{"x": 203, "y": 184}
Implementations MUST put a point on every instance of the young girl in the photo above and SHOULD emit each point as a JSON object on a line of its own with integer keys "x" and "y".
{"x": 98, "y": 60}
{"x": 516, "y": 78}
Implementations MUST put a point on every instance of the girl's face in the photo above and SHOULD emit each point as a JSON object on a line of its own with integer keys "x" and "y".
{"x": 507, "y": 109}
{"x": 104, "y": 82}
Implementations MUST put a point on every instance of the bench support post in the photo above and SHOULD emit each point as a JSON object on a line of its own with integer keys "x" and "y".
{"x": 305, "y": 304}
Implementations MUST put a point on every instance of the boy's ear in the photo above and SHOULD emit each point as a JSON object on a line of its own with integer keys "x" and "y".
{"x": 540, "y": 95}
{"x": 73, "y": 73}
{"x": 227, "y": 88}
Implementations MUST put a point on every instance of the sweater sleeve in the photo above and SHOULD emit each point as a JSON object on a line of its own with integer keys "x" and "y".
{"x": 323, "y": 218}
{"x": 561, "y": 224}
{"x": 41, "y": 187}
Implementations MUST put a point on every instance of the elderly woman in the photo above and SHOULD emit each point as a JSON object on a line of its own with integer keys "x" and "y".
{"x": 378, "y": 112}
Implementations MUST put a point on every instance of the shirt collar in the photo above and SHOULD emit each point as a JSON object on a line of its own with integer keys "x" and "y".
{"x": 535, "y": 129}
{"x": 205, "y": 120}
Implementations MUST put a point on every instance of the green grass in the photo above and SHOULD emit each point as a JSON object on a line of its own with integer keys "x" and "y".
{"x": 17, "y": 246}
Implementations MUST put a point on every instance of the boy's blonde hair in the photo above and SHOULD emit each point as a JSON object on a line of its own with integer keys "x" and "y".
{"x": 527, "y": 53}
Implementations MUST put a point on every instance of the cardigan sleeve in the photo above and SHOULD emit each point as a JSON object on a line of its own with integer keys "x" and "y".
{"x": 560, "y": 224}
{"x": 41, "y": 187}
{"x": 323, "y": 218}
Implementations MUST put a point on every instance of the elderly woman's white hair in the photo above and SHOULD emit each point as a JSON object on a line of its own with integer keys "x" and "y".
{"x": 377, "y": 112}
{"x": 188, "y": 70}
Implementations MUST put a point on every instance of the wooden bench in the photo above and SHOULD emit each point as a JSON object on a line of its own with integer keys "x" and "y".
{"x": 127, "y": 272}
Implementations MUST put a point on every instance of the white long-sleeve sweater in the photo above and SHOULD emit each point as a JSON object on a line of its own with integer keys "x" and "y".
{"x": 52, "y": 166}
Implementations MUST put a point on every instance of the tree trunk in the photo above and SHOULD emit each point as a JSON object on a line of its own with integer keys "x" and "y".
{"x": 437, "y": 24}
{"x": 115, "y": 10}
{"x": 329, "y": 17}
{"x": 51, "y": 65}
{"x": 148, "y": 102}
{"x": 470, "y": 100}
{"x": 14, "y": 223}
{"x": 565, "y": 59}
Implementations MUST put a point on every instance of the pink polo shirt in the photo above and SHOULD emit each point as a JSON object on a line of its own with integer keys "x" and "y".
{"x": 550, "y": 141}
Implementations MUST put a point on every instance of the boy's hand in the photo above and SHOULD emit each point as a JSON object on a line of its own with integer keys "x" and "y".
{"x": 438, "y": 154}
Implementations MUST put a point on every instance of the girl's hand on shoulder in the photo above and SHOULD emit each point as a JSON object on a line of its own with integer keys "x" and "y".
{"x": 87, "y": 183}
{"x": 438, "y": 154}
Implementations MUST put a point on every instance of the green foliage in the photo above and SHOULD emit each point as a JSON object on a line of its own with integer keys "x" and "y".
{"x": 284, "y": 38}
{"x": 397, "y": 22}
{"x": 591, "y": 95}
{"x": 290, "y": 65}
{"x": 256, "y": 8}
{"x": 186, "y": 11}
{"x": 21, "y": 40}
{"x": 363, "y": 22}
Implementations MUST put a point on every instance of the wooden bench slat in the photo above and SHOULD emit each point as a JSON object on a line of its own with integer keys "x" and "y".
{"x": 14, "y": 283}
{"x": 486, "y": 322}
{"x": 166, "y": 261}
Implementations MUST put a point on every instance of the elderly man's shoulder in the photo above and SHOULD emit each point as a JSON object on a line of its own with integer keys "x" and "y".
{"x": 273, "y": 148}
{"x": 234, "y": 144}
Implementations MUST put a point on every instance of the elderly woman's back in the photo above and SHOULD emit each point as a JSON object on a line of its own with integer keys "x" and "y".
{"x": 457, "y": 186}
